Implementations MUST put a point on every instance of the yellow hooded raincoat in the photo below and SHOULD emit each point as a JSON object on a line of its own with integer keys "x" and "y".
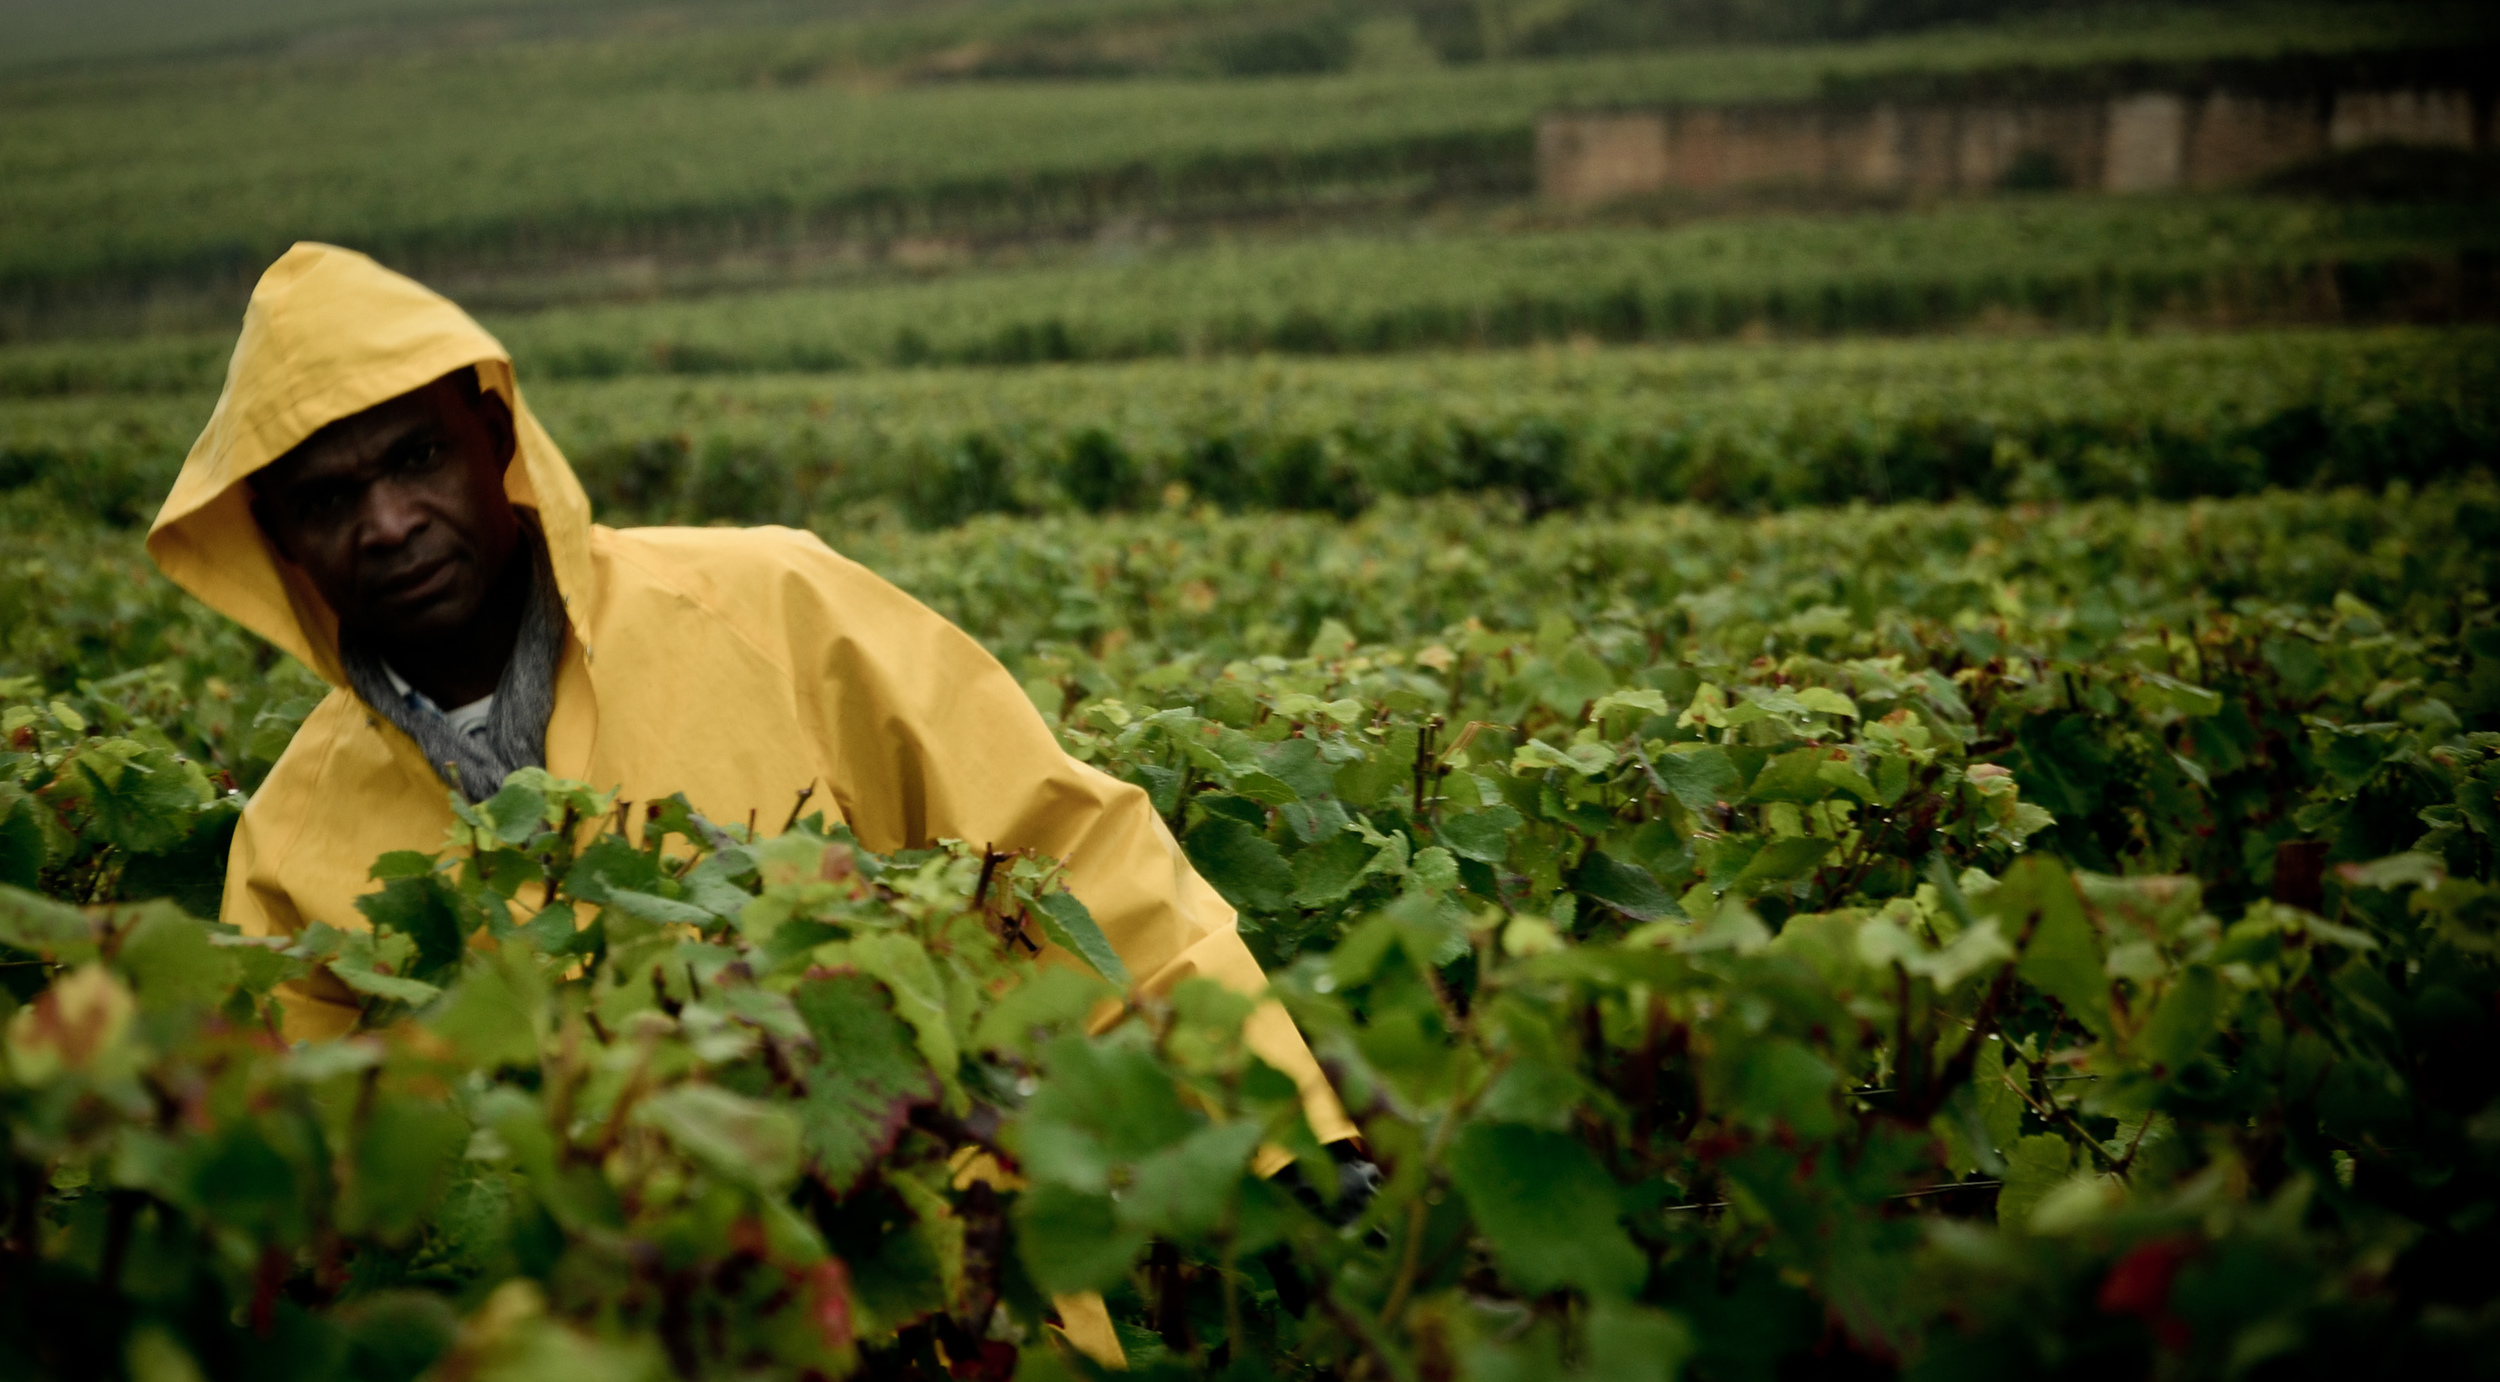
{"x": 736, "y": 666}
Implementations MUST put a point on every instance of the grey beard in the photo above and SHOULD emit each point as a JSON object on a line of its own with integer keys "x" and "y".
{"x": 516, "y": 734}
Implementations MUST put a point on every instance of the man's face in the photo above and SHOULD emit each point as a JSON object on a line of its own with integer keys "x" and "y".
{"x": 398, "y": 513}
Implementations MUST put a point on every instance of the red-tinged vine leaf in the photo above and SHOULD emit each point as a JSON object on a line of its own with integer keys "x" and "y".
{"x": 53, "y": 931}
{"x": 867, "y": 1077}
{"x": 918, "y": 993}
{"x": 2139, "y": 1284}
{"x": 74, "y": 1025}
{"x": 1547, "y": 1208}
{"x": 829, "y": 1284}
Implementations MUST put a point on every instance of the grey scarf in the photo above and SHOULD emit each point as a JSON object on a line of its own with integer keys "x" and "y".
{"x": 516, "y": 735}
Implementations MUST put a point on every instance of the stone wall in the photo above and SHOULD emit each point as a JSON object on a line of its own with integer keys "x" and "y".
{"x": 2144, "y": 141}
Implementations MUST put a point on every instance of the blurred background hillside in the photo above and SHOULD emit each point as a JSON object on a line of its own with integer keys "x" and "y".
{"x": 780, "y": 259}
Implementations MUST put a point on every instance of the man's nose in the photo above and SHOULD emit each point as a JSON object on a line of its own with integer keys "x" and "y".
{"x": 392, "y": 515}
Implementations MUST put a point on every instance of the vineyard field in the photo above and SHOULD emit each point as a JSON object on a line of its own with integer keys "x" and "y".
{"x": 1735, "y": 426}
{"x": 628, "y": 40}
{"x": 2054, "y": 262}
{"x": 1896, "y": 787}
{"x": 1907, "y": 919}
{"x": 537, "y": 155}
{"x": 1142, "y": 608}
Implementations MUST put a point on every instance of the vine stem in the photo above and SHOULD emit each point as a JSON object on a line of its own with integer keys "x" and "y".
{"x": 1234, "y": 1339}
{"x": 1408, "y": 1261}
{"x": 795, "y": 807}
{"x": 1373, "y": 1349}
{"x": 1983, "y": 1025}
{"x": 2055, "y": 1112}
{"x": 2133, "y": 1143}
{"x": 1944, "y": 1188}
{"x": 1423, "y": 761}
{"x": 1862, "y": 855}
{"x": 1466, "y": 736}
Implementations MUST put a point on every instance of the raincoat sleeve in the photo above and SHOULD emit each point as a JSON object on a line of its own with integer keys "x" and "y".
{"x": 931, "y": 739}
{"x": 251, "y": 904}
{"x": 317, "y": 1006}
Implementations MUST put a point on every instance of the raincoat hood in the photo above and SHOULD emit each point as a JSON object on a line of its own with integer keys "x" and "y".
{"x": 328, "y": 334}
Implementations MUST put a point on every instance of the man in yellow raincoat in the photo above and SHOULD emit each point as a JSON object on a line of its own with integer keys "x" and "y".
{"x": 373, "y": 496}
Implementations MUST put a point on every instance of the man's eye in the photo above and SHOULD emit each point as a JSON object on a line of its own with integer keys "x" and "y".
{"x": 425, "y": 456}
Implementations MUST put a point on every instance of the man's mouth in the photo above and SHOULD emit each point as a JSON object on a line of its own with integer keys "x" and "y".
{"x": 418, "y": 584}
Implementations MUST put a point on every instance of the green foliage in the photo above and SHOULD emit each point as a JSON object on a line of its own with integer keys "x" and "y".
{"x": 1804, "y": 747}
{"x": 1729, "y": 426}
{"x": 667, "y": 1101}
{"x": 2079, "y": 262}
{"x": 98, "y": 817}
{"x": 86, "y": 621}
{"x": 1938, "y": 940}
